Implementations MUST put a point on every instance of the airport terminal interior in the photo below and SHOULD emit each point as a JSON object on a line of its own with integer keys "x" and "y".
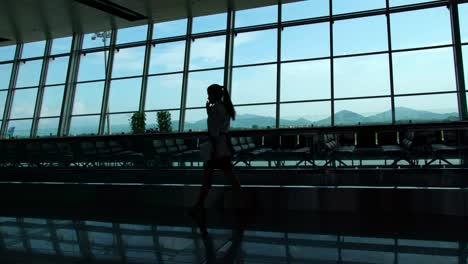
{"x": 350, "y": 139}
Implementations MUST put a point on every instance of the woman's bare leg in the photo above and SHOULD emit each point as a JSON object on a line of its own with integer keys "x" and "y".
{"x": 205, "y": 189}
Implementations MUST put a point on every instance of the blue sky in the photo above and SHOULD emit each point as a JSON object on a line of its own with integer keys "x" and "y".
{"x": 414, "y": 72}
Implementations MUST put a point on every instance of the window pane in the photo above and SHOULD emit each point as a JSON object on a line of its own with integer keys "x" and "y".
{"x": 209, "y": 23}
{"x": 254, "y": 84}
{"x": 164, "y": 92}
{"x": 346, "y": 6}
{"x": 195, "y": 120}
{"x": 406, "y": 28}
{"x": 152, "y": 120}
{"x": 5, "y": 75}
{"x": 132, "y": 34}
{"x": 48, "y": 127}
{"x": 407, "y": 2}
{"x": 257, "y": 16}
{"x": 124, "y": 95}
{"x": 23, "y": 103}
{"x": 7, "y": 53}
{"x": 61, "y": 45}
{"x": 52, "y": 101}
{"x": 364, "y": 111}
{"x": 305, "y": 9}
{"x": 3, "y": 96}
{"x": 198, "y": 82}
{"x": 22, "y": 128}
{"x": 92, "y": 66}
{"x": 29, "y": 73}
{"x": 167, "y": 57}
{"x": 424, "y": 71}
{"x": 91, "y": 40}
{"x": 207, "y": 53}
{"x": 306, "y": 80}
{"x": 33, "y": 49}
{"x": 360, "y": 35}
{"x": 422, "y": 108}
{"x": 170, "y": 29}
{"x": 259, "y": 116}
{"x": 83, "y": 125}
{"x": 57, "y": 70}
{"x": 315, "y": 41}
{"x": 119, "y": 123}
{"x": 463, "y": 16}
{"x": 88, "y": 98}
{"x": 362, "y": 76}
{"x": 128, "y": 62}
{"x": 255, "y": 47}
{"x": 305, "y": 114}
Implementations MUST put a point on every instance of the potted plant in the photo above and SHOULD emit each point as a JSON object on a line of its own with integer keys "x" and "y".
{"x": 138, "y": 122}
{"x": 164, "y": 121}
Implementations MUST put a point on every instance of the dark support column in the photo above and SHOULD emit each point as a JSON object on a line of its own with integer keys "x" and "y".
{"x": 107, "y": 83}
{"x": 144, "y": 81}
{"x": 40, "y": 90}
{"x": 69, "y": 93}
{"x": 188, "y": 44}
{"x": 332, "y": 67}
{"x": 390, "y": 60}
{"x": 229, "y": 49}
{"x": 278, "y": 67}
{"x": 458, "y": 59}
{"x": 11, "y": 91}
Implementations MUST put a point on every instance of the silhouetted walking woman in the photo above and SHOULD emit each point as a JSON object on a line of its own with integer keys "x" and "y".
{"x": 220, "y": 112}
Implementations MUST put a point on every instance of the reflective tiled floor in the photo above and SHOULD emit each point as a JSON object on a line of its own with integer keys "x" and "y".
{"x": 45, "y": 240}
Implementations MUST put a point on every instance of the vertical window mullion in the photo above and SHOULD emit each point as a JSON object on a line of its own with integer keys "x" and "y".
{"x": 278, "y": 65}
{"x": 390, "y": 61}
{"x": 70, "y": 85}
{"x": 11, "y": 91}
{"x": 183, "y": 101}
{"x": 144, "y": 81}
{"x": 40, "y": 90}
{"x": 332, "y": 74}
{"x": 458, "y": 59}
{"x": 229, "y": 49}
{"x": 105, "y": 98}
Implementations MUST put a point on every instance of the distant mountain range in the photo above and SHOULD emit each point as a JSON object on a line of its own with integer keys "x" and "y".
{"x": 343, "y": 117}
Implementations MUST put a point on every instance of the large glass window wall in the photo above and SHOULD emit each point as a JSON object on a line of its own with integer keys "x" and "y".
{"x": 286, "y": 65}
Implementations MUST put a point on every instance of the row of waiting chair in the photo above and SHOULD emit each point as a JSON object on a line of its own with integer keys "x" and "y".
{"x": 278, "y": 151}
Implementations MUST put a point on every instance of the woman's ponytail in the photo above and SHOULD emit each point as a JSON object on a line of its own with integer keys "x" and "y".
{"x": 228, "y": 104}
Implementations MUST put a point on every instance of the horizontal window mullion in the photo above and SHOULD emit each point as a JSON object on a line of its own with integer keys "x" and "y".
{"x": 428, "y": 93}
{"x": 361, "y": 97}
{"x": 91, "y": 81}
{"x": 254, "y": 64}
{"x": 165, "y": 73}
{"x": 305, "y": 59}
{"x": 126, "y": 77}
{"x": 207, "y": 69}
{"x": 208, "y": 34}
{"x": 423, "y": 48}
{"x": 361, "y": 54}
{"x": 162, "y": 109}
{"x": 306, "y": 101}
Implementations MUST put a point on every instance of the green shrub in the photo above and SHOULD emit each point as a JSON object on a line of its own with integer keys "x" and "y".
{"x": 164, "y": 121}
{"x": 138, "y": 122}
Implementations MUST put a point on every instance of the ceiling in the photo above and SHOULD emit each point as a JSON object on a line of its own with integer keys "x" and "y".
{"x": 33, "y": 20}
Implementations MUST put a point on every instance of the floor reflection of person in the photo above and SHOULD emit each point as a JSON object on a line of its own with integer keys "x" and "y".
{"x": 220, "y": 111}
{"x": 233, "y": 251}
